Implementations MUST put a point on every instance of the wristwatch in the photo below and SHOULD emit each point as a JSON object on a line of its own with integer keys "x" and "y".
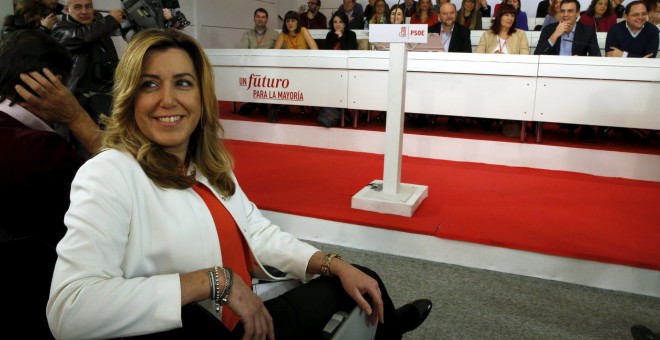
{"x": 325, "y": 267}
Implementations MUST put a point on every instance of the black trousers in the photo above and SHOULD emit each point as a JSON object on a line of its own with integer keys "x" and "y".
{"x": 300, "y": 313}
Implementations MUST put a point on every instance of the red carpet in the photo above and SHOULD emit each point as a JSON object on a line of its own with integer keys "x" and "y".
{"x": 550, "y": 212}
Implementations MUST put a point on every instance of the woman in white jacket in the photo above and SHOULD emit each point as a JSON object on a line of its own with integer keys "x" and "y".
{"x": 158, "y": 225}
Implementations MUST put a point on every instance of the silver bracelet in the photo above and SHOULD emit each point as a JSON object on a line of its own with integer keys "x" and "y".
{"x": 216, "y": 291}
{"x": 229, "y": 281}
{"x": 213, "y": 285}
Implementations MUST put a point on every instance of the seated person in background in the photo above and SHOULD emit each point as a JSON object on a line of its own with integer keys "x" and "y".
{"x": 436, "y": 7}
{"x": 484, "y": 8}
{"x": 426, "y": 15}
{"x": 618, "y": 8}
{"x": 634, "y": 37}
{"x": 497, "y": 7}
{"x": 340, "y": 37}
{"x": 542, "y": 8}
{"x": 380, "y": 13}
{"x": 576, "y": 38}
{"x": 409, "y": 8}
{"x": 599, "y": 15}
{"x": 125, "y": 241}
{"x": 396, "y": 15}
{"x": 28, "y": 14}
{"x": 293, "y": 35}
{"x": 354, "y": 13}
{"x": 654, "y": 15}
{"x": 469, "y": 16}
{"x": 521, "y": 17}
{"x": 455, "y": 38}
{"x": 369, "y": 9}
{"x": 570, "y": 38}
{"x": 554, "y": 13}
{"x": 313, "y": 18}
{"x": 260, "y": 38}
{"x": 503, "y": 38}
{"x": 36, "y": 169}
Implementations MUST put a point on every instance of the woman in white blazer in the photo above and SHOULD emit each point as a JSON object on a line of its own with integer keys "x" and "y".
{"x": 142, "y": 249}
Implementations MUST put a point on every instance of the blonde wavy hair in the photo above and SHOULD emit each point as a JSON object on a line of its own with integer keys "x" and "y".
{"x": 205, "y": 149}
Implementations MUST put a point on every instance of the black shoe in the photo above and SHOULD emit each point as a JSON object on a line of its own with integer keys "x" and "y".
{"x": 413, "y": 314}
{"x": 587, "y": 134}
{"x": 640, "y": 332}
{"x": 452, "y": 124}
{"x": 272, "y": 114}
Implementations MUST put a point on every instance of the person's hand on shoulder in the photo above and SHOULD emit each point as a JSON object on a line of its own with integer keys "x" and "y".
{"x": 49, "y": 21}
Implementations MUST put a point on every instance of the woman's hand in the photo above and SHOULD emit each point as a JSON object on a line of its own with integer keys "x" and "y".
{"x": 257, "y": 322}
{"x": 356, "y": 283}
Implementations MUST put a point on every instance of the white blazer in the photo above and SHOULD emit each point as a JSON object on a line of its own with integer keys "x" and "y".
{"x": 117, "y": 272}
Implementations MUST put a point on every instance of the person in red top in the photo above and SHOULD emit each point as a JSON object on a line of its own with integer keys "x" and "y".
{"x": 600, "y": 15}
{"x": 426, "y": 15}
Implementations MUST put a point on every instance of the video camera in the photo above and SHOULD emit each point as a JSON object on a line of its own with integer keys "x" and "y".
{"x": 143, "y": 14}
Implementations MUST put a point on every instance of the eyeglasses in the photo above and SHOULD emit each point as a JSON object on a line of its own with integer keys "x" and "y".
{"x": 636, "y": 15}
{"x": 313, "y": 3}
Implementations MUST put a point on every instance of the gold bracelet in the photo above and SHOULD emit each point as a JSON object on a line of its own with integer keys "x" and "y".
{"x": 325, "y": 267}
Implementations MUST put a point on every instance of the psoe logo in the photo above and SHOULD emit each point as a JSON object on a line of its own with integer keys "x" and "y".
{"x": 403, "y": 32}
{"x": 416, "y": 33}
{"x": 259, "y": 81}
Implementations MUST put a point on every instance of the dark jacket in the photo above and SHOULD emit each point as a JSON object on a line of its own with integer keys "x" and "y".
{"x": 94, "y": 54}
{"x": 13, "y": 23}
{"x": 645, "y": 43}
{"x": 584, "y": 41}
{"x": 460, "y": 39}
{"x": 348, "y": 41}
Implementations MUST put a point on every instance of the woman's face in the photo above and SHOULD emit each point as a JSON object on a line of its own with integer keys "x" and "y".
{"x": 514, "y": 3}
{"x": 291, "y": 25}
{"x": 396, "y": 17}
{"x": 168, "y": 104}
{"x": 338, "y": 25}
{"x": 469, "y": 6}
{"x": 601, "y": 7}
{"x": 507, "y": 20}
{"x": 557, "y": 5}
{"x": 424, "y": 5}
{"x": 380, "y": 7}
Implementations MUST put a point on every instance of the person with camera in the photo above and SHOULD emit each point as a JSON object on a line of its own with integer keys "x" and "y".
{"x": 86, "y": 34}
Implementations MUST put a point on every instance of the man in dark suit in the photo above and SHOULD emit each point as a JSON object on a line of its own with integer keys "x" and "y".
{"x": 576, "y": 38}
{"x": 569, "y": 37}
{"x": 455, "y": 38}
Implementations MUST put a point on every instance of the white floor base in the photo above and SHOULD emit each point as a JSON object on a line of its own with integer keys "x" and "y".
{"x": 403, "y": 203}
{"x": 582, "y": 272}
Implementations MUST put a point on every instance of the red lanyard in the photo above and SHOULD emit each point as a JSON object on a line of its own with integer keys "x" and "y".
{"x": 263, "y": 35}
{"x": 502, "y": 44}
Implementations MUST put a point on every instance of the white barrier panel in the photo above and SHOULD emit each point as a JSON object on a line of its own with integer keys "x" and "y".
{"x": 599, "y": 91}
{"x": 486, "y": 85}
{"x": 292, "y": 77}
{"x": 581, "y": 90}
